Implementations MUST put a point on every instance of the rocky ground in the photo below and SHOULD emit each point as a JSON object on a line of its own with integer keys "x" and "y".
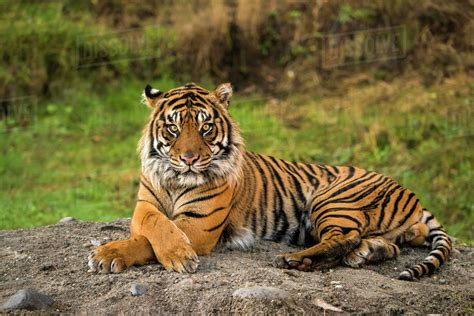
{"x": 53, "y": 260}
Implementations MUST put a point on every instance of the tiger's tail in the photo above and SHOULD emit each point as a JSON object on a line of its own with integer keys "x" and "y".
{"x": 440, "y": 249}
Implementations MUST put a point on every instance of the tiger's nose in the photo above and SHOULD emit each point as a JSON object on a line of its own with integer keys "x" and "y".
{"x": 189, "y": 158}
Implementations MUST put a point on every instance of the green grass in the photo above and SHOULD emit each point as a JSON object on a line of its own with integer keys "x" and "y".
{"x": 79, "y": 157}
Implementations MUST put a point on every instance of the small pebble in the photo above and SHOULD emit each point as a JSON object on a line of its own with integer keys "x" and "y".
{"x": 67, "y": 220}
{"x": 28, "y": 299}
{"x": 137, "y": 289}
{"x": 335, "y": 282}
{"x": 338, "y": 286}
{"x": 95, "y": 242}
{"x": 442, "y": 281}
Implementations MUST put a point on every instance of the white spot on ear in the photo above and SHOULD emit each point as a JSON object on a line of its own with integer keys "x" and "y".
{"x": 154, "y": 91}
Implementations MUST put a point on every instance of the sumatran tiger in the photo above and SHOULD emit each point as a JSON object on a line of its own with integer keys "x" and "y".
{"x": 200, "y": 189}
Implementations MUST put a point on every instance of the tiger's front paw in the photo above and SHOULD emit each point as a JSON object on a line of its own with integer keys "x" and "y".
{"x": 110, "y": 258}
{"x": 180, "y": 258}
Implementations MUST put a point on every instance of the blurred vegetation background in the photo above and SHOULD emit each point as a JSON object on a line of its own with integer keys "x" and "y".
{"x": 384, "y": 85}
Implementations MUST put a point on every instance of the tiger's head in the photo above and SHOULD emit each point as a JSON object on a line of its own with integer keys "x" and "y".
{"x": 190, "y": 138}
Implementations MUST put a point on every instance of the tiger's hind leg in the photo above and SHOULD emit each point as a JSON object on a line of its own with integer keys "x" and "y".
{"x": 334, "y": 244}
{"x": 371, "y": 250}
{"x": 415, "y": 235}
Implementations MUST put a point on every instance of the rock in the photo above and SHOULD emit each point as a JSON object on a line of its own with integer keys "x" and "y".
{"x": 67, "y": 220}
{"x": 96, "y": 242}
{"x": 28, "y": 299}
{"x": 442, "y": 281}
{"x": 137, "y": 289}
{"x": 263, "y": 292}
{"x": 338, "y": 286}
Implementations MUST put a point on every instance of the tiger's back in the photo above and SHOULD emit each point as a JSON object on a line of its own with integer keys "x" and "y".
{"x": 288, "y": 198}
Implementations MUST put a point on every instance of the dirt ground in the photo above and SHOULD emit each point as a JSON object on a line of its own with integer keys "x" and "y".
{"x": 53, "y": 260}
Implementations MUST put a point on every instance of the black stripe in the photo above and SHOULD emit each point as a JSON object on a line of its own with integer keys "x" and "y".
{"x": 395, "y": 208}
{"x": 198, "y": 215}
{"x": 154, "y": 195}
{"x": 307, "y": 174}
{"x": 219, "y": 225}
{"x": 204, "y": 198}
{"x": 387, "y": 199}
{"x": 428, "y": 219}
{"x": 171, "y": 102}
{"x": 345, "y": 188}
{"x": 356, "y": 196}
{"x": 437, "y": 229}
{"x": 410, "y": 213}
{"x": 274, "y": 174}
{"x": 329, "y": 228}
{"x": 431, "y": 237}
{"x": 330, "y": 216}
{"x": 187, "y": 190}
{"x": 437, "y": 256}
{"x": 431, "y": 266}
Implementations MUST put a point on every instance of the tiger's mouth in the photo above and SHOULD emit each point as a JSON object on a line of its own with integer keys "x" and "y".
{"x": 189, "y": 170}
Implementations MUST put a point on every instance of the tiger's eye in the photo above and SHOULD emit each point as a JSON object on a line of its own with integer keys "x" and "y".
{"x": 173, "y": 128}
{"x": 206, "y": 127}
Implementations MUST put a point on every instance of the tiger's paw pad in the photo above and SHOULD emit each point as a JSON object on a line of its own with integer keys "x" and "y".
{"x": 106, "y": 259}
{"x": 290, "y": 262}
{"x": 181, "y": 259}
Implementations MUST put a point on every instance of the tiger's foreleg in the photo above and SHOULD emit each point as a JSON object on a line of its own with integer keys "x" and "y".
{"x": 371, "y": 250}
{"x": 334, "y": 244}
{"x": 153, "y": 236}
{"x": 118, "y": 255}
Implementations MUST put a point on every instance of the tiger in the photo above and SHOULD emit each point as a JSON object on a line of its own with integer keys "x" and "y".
{"x": 200, "y": 190}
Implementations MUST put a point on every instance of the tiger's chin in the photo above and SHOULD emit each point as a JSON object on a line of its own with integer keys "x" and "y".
{"x": 191, "y": 178}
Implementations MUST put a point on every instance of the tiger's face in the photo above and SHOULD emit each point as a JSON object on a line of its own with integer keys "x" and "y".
{"x": 190, "y": 138}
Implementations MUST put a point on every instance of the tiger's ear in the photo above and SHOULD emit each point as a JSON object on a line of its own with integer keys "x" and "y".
{"x": 151, "y": 96}
{"x": 223, "y": 93}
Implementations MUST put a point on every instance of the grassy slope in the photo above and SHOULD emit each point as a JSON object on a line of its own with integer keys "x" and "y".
{"x": 79, "y": 158}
